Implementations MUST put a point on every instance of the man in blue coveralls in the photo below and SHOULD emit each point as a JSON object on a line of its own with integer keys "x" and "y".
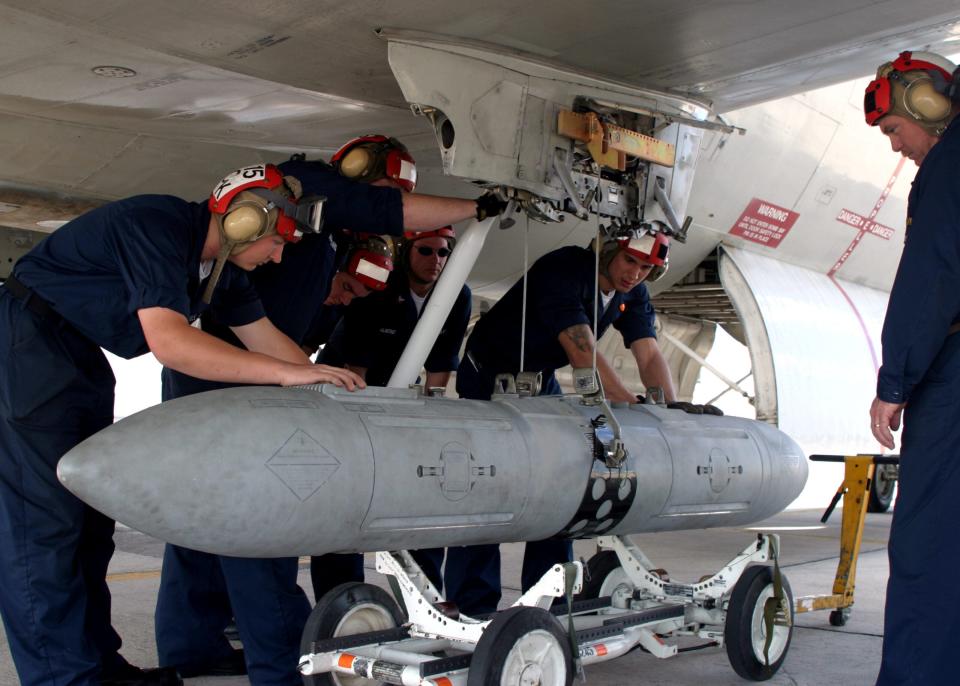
{"x": 912, "y": 101}
{"x": 129, "y": 277}
{"x": 377, "y": 328}
{"x": 561, "y": 293}
{"x": 270, "y": 608}
{"x": 370, "y": 340}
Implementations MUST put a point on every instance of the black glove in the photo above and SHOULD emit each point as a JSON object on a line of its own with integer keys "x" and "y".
{"x": 489, "y": 205}
{"x": 689, "y": 408}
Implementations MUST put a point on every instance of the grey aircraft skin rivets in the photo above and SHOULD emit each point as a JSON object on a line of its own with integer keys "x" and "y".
{"x": 275, "y": 472}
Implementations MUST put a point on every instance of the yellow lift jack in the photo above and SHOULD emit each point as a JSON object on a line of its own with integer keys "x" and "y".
{"x": 861, "y": 472}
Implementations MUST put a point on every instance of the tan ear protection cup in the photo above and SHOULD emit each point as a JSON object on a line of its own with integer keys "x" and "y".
{"x": 923, "y": 102}
{"x": 392, "y": 246}
{"x": 244, "y": 223}
{"x": 357, "y": 163}
{"x": 382, "y": 245}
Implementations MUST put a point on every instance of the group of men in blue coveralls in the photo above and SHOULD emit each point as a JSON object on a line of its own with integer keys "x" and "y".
{"x": 202, "y": 286}
{"x": 176, "y": 278}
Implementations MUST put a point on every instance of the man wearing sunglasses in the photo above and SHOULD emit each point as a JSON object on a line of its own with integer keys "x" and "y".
{"x": 376, "y": 328}
{"x": 913, "y": 101}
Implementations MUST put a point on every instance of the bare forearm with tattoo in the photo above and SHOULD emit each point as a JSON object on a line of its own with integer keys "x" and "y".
{"x": 581, "y": 338}
{"x": 578, "y": 342}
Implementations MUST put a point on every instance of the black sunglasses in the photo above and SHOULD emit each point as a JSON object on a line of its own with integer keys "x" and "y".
{"x": 427, "y": 252}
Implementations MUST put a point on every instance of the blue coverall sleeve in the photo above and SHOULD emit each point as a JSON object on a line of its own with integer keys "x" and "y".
{"x": 152, "y": 262}
{"x": 445, "y": 354}
{"x": 925, "y": 298}
{"x": 638, "y": 318}
{"x": 238, "y": 303}
{"x": 556, "y": 292}
{"x": 350, "y": 205}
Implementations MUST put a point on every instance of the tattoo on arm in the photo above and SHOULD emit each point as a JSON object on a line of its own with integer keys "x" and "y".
{"x": 581, "y": 337}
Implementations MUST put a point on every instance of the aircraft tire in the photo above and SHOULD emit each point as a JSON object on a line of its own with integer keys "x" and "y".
{"x": 345, "y": 610}
{"x": 744, "y": 629}
{"x": 522, "y": 645}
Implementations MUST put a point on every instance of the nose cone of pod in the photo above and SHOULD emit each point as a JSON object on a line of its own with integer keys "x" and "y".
{"x": 240, "y": 471}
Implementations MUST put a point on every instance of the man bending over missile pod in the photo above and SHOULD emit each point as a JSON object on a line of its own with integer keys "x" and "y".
{"x": 561, "y": 293}
{"x": 200, "y": 592}
{"x": 128, "y": 276}
{"x": 370, "y": 340}
{"x": 915, "y": 101}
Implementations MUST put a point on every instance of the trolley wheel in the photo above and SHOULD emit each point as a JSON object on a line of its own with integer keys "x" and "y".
{"x": 345, "y": 610}
{"x": 881, "y": 488}
{"x": 602, "y": 576}
{"x": 522, "y": 645}
{"x": 839, "y": 616}
{"x": 745, "y": 631}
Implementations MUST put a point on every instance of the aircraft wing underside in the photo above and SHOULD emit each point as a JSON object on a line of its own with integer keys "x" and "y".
{"x": 107, "y": 99}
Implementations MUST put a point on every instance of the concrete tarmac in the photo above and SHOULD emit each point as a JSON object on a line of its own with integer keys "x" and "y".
{"x": 819, "y": 653}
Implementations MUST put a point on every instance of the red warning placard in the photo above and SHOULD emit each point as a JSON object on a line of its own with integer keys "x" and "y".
{"x": 765, "y": 223}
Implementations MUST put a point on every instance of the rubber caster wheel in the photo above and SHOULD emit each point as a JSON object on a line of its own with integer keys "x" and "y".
{"x": 603, "y": 576}
{"x": 839, "y": 616}
{"x": 745, "y": 631}
{"x": 522, "y": 645}
{"x": 881, "y": 488}
{"x": 345, "y": 610}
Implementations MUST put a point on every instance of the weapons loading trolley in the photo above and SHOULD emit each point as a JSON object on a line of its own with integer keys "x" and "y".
{"x": 359, "y": 634}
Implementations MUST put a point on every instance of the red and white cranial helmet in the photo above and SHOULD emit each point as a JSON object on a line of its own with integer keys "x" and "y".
{"x": 374, "y": 157}
{"x": 370, "y": 261}
{"x": 650, "y": 247}
{"x": 246, "y": 198}
{"x": 443, "y": 232}
{"x": 917, "y": 86}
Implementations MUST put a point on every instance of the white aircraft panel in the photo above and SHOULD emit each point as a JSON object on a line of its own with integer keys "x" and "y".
{"x": 812, "y": 157}
{"x": 823, "y": 338}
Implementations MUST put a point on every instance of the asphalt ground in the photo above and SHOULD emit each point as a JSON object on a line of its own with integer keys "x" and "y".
{"x": 819, "y": 653}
